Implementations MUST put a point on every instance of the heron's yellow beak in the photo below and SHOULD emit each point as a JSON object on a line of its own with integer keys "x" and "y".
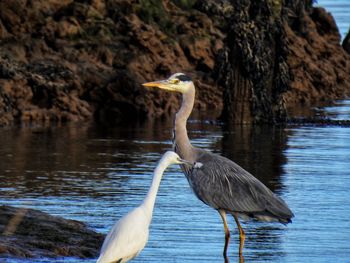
{"x": 162, "y": 84}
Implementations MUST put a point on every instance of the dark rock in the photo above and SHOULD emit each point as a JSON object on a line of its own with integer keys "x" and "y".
{"x": 30, "y": 233}
{"x": 279, "y": 55}
{"x": 253, "y": 69}
{"x": 346, "y": 42}
{"x": 314, "y": 121}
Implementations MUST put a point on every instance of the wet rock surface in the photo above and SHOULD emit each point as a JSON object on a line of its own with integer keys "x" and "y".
{"x": 319, "y": 66}
{"x": 81, "y": 60}
{"x": 28, "y": 233}
{"x": 280, "y": 55}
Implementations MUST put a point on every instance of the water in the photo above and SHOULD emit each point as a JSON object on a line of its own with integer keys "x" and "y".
{"x": 96, "y": 174}
{"x": 65, "y": 170}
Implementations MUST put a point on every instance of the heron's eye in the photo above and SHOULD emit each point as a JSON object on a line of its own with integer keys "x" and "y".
{"x": 174, "y": 81}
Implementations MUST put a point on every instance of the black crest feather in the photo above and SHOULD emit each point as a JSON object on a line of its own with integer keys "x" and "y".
{"x": 184, "y": 77}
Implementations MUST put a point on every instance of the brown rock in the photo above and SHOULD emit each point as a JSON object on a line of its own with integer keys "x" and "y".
{"x": 78, "y": 60}
{"x": 68, "y": 28}
{"x": 3, "y": 30}
{"x": 319, "y": 66}
{"x": 30, "y": 233}
{"x": 66, "y": 59}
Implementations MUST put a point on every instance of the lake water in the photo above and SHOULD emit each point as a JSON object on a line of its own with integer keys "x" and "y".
{"x": 96, "y": 174}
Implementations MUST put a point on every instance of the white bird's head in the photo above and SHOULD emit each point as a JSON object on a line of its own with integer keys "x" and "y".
{"x": 177, "y": 82}
{"x": 171, "y": 157}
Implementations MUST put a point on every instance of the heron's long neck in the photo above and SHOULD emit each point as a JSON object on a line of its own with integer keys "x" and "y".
{"x": 182, "y": 143}
{"x": 150, "y": 199}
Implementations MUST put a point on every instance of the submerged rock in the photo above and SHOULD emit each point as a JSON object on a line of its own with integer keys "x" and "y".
{"x": 30, "y": 233}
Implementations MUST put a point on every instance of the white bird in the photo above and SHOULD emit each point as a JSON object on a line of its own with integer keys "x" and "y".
{"x": 130, "y": 234}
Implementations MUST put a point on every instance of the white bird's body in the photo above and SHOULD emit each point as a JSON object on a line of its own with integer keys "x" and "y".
{"x": 130, "y": 234}
{"x": 127, "y": 237}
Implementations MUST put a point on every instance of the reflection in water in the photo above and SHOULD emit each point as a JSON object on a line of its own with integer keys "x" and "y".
{"x": 56, "y": 160}
{"x": 258, "y": 150}
{"x": 97, "y": 174}
{"x": 109, "y": 169}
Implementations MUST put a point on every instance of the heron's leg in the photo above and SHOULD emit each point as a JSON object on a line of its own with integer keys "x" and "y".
{"x": 241, "y": 233}
{"x": 227, "y": 231}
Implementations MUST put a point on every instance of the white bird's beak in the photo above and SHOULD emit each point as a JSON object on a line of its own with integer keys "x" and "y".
{"x": 182, "y": 161}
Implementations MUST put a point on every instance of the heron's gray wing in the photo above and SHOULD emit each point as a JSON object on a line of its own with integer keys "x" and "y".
{"x": 223, "y": 184}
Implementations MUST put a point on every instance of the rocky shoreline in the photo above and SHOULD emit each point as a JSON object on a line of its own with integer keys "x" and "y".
{"x": 29, "y": 233}
{"x": 85, "y": 60}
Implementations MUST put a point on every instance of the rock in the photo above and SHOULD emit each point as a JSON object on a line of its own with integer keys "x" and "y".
{"x": 320, "y": 68}
{"x": 252, "y": 67}
{"x": 73, "y": 61}
{"x": 346, "y": 42}
{"x": 29, "y": 233}
{"x": 68, "y": 28}
{"x": 81, "y": 60}
{"x": 279, "y": 57}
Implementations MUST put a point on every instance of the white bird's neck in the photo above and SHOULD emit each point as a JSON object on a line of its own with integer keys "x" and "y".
{"x": 149, "y": 201}
{"x": 183, "y": 144}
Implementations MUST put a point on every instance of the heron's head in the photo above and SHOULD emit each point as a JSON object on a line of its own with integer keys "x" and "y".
{"x": 178, "y": 82}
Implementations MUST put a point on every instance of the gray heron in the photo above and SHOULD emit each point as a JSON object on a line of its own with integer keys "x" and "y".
{"x": 130, "y": 234}
{"x": 220, "y": 182}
